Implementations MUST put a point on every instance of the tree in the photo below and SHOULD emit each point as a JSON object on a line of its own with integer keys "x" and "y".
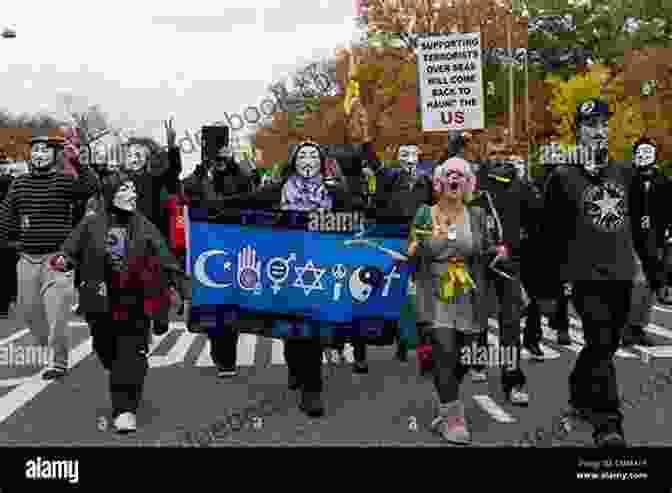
{"x": 89, "y": 119}
{"x": 16, "y": 130}
{"x": 602, "y": 30}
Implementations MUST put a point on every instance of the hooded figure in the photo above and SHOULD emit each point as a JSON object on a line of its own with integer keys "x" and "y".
{"x": 127, "y": 272}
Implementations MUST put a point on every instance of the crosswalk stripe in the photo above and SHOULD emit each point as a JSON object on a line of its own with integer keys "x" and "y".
{"x": 20, "y": 396}
{"x": 204, "y": 359}
{"x": 277, "y": 352}
{"x": 177, "y": 352}
{"x": 14, "y": 336}
{"x": 247, "y": 344}
{"x": 493, "y": 409}
{"x": 656, "y": 351}
{"x": 578, "y": 337}
{"x": 494, "y": 340}
{"x": 659, "y": 331}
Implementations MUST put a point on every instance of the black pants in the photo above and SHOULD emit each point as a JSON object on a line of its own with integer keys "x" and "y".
{"x": 559, "y": 321}
{"x": 8, "y": 260}
{"x": 224, "y": 348}
{"x": 304, "y": 362}
{"x": 532, "y": 333}
{"x": 509, "y": 301}
{"x": 604, "y": 308}
{"x": 122, "y": 348}
{"x": 449, "y": 369}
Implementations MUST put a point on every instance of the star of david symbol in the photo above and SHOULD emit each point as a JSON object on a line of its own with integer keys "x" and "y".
{"x": 317, "y": 280}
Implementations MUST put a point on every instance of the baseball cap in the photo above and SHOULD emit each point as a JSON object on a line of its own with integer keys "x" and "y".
{"x": 591, "y": 108}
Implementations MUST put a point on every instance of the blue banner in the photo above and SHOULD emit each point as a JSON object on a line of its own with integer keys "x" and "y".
{"x": 294, "y": 270}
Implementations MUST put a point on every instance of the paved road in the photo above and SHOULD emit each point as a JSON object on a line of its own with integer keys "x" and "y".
{"x": 182, "y": 393}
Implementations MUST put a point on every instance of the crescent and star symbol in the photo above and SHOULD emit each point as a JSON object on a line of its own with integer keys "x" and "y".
{"x": 200, "y": 271}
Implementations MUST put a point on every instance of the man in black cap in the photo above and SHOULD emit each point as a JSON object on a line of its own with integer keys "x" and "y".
{"x": 650, "y": 219}
{"x": 586, "y": 237}
{"x": 217, "y": 177}
{"x": 38, "y": 207}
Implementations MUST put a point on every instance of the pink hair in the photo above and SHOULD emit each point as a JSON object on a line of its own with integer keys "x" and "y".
{"x": 440, "y": 179}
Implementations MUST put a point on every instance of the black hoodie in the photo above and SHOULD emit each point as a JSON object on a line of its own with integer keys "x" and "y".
{"x": 518, "y": 206}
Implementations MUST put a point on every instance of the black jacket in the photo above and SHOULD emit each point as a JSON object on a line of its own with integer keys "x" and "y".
{"x": 650, "y": 216}
{"x": 205, "y": 186}
{"x": 516, "y": 202}
{"x": 585, "y": 232}
{"x": 395, "y": 198}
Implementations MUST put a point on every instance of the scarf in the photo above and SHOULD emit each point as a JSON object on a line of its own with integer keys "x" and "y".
{"x": 305, "y": 194}
{"x": 455, "y": 281}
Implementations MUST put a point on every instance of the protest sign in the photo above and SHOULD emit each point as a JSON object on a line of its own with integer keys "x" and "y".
{"x": 451, "y": 87}
{"x": 269, "y": 263}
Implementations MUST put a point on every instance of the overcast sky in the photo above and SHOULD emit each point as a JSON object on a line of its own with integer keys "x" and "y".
{"x": 144, "y": 60}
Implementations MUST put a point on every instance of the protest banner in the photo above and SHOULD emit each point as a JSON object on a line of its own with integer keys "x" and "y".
{"x": 270, "y": 265}
{"x": 451, "y": 88}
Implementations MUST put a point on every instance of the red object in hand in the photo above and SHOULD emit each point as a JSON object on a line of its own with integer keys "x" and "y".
{"x": 503, "y": 250}
{"x": 425, "y": 357}
{"x": 59, "y": 263}
{"x": 175, "y": 207}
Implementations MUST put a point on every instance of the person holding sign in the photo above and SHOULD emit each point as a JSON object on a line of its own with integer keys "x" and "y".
{"x": 451, "y": 245}
{"x": 308, "y": 187}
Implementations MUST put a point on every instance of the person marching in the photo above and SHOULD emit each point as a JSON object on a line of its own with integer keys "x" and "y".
{"x": 127, "y": 272}
{"x": 587, "y": 241}
{"x": 518, "y": 208}
{"x": 217, "y": 177}
{"x": 650, "y": 218}
{"x": 38, "y": 207}
{"x": 307, "y": 186}
{"x": 450, "y": 245}
{"x": 398, "y": 195}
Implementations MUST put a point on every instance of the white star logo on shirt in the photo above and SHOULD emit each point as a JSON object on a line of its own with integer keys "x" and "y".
{"x": 608, "y": 205}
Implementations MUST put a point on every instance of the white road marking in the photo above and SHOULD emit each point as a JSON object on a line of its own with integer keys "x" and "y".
{"x": 656, "y": 351}
{"x": 22, "y": 395}
{"x": 247, "y": 345}
{"x": 493, "y": 409}
{"x": 16, "y": 335}
{"x": 278, "y": 352}
{"x": 176, "y": 354}
{"x": 662, "y": 309}
{"x": 659, "y": 331}
{"x": 493, "y": 339}
{"x": 578, "y": 337}
{"x": 204, "y": 359}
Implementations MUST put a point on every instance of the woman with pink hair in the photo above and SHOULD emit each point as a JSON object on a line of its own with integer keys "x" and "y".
{"x": 451, "y": 245}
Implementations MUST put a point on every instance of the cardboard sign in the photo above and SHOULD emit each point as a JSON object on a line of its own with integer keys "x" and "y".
{"x": 451, "y": 82}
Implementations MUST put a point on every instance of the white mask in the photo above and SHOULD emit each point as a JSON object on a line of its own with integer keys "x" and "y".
{"x": 125, "y": 198}
{"x": 408, "y": 157}
{"x": 136, "y": 158}
{"x": 308, "y": 162}
{"x": 645, "y": 156}
{"x": 42, "y": 156}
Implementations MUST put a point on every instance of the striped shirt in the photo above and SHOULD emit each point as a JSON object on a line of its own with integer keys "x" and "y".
{"x": 39, "y": 209}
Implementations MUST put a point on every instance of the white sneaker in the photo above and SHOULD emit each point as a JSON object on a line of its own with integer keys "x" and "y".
{"x": 125, "y": 423}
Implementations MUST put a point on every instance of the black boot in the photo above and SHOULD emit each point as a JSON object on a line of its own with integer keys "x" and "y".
{"x": 311, "y": 404}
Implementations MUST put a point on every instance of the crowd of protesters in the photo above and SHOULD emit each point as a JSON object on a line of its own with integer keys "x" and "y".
{"x": 108, "y": 239}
